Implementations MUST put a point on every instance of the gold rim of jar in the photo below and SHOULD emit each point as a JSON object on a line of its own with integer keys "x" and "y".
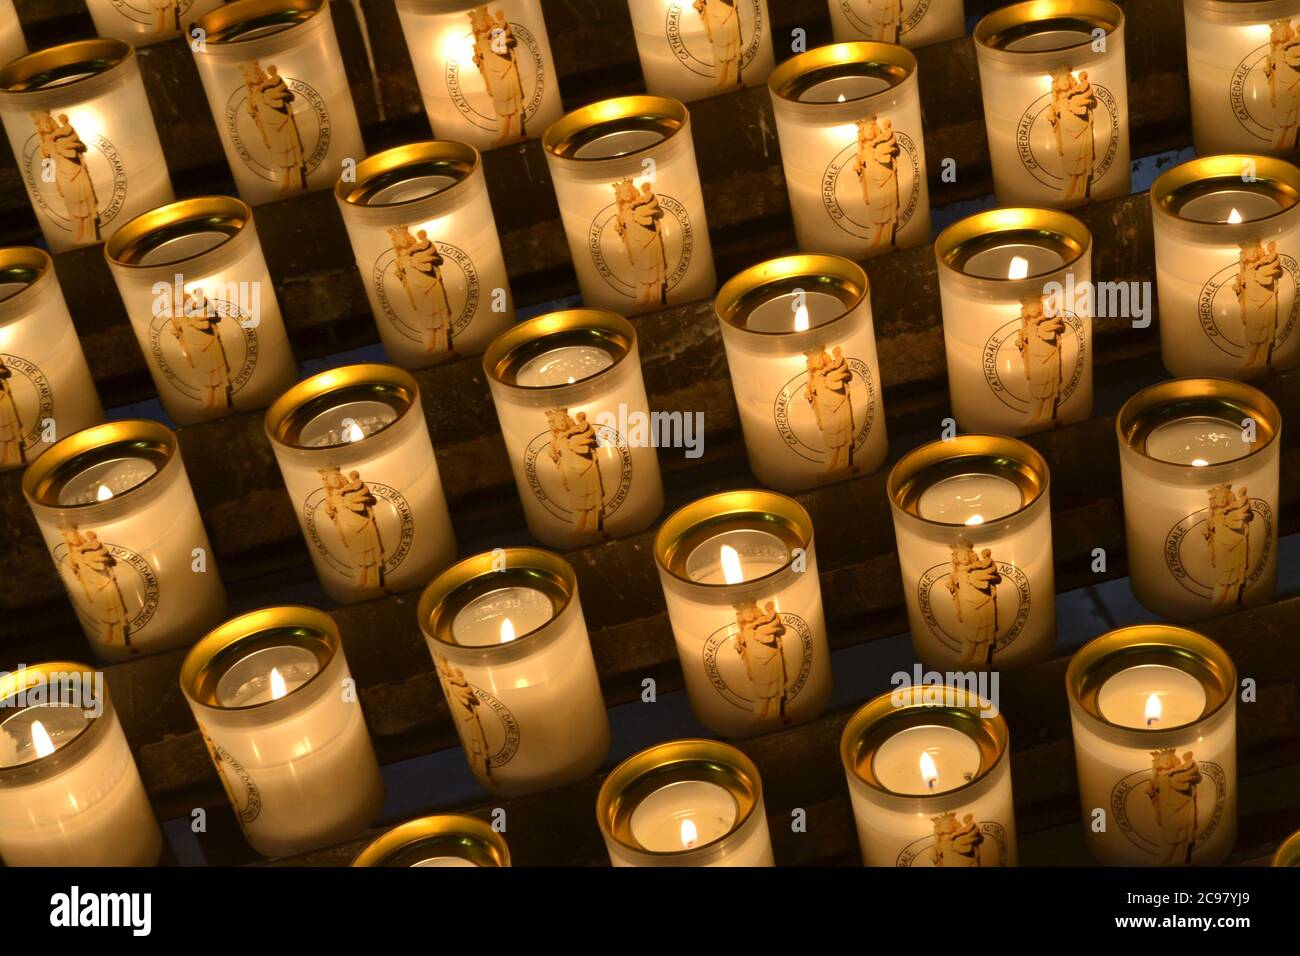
{"x": 95, "y": 59}
{"x": 655, "y": 767}
{"x": 283, "y": 418}
{"x": 998, "y": 455}
{"x": 994, "y": 30}
{"x": 1053, "y": 227}
{"x": 461, "y": 158}
{"x": 23, "y": 259}
{"x": 242, "y": 15}
{"x": 1103, "y": 657}
{"x": 528, "y": 339}
{"x": 17, "y": 681}
{"x": 1203, "y": 397}
{"x": 880, "y": 718}
{"x": 69, "y": 456}
{"x": 283, "y": 626}
{"x": 570, "y": 131}
{"x": 447, "y": 834}
{"x": 453, "y": 589}
{"x": 1288, "y": 851}
{"x": 894, "y": 63}
{"x": 819, "y": 269}
{"x": 761, "y": 510}
{"x": 206, "y": 214}
{"x": 1271, "y": 175}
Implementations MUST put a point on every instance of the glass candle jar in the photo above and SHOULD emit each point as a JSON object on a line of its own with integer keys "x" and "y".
{"x": 12, "y": 42}
{"x": 629, "y": 193}
{"x": 485, "y": 69}
{"x": 1288, "y": 852}
{"x": 278, "y": 710}
{"x": 929, "y": 773}
{"x": 849, "y": 120}
{"x": 1015, "y": 288}
{"x": 1154, "y": 714}
{"x": 1243, "y": 69}
{"x": 203, "y": 308}
{"x": 802, "y": 352}
{"x": 275, "y": 81}
{"x": 45, "y": 386}
{"x": 506, "y": 633}
{"x": 115, "y": 507}
{"x": 79, "y": 124}
{"x": 739, "y": 574}
{"x": 685, "y": 803}
{"x": 913, "y": 23}
{"x": 1227, "y": 234}
{"x": 70, "y": 793}
{"x": 146, "y": 21}
{"x": 576, "y": 423}
{"x": 1199, "y": 459}
{"x": 1055, "y": 101}
{"x": 973, "y": 520}
{"x": 427, "y": 249}
{"x": 691, "y": 49}
{"x": 444, "y": 840}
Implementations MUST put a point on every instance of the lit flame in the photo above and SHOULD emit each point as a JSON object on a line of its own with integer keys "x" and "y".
{"x": 929, "y": 772}
{"x": 507, "y": 630}
{"x": 278, "y": 688}
{"x": 41, "y": 740}
{"x": 352, "y": 432}
{"x": 731, "y": 570}
{"x": 801, "y": 318}
{"x": 1153, "y": 709}
{"x": 570, "y": 379}
{"x": 690, "y": 835}
{"x": 1199, "y": 462}
{"x": 103, "y": 493}
{"x": 1019, "y": 268}
{"x": 1234, "y": 216}
{"x": 975, "y": 519}
{"x": 840, "y": 99}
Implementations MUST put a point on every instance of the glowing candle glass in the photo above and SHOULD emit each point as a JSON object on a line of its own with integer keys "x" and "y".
{"x": 1288, "y": 851}
{"x": 1015, "y": 287}
{"x": 70, "y": 793}
{"x": 802, "y": 352}
{"x": 739, "y": 574}
{"x": 685, "y": 803}
{"x": 629, "y": 192}
{"x": 1227, "y": 233}
{"x": 913, "y": 23}
{"x": 12, "y": 42}
{"x": 201, "y": 303}
{"x": 1199, "y": 459}
{"x": 79, "y": 124}
{"x": 1154, "y": 714}
{"x": 691, "y": 49}
{"x": 508, "y": 638}
{"x": 444, "y": 840}
{"x": 45, "y": 386}
{"x": 849, "y": 120}
{"x": 115, "y": 507}
{"x": 278, "y": 711}
{"x": 146, "y": 21}
{"x": 1055, "y": 101}
{"x": 972, "y": 516}
{"x": 427, "y": 249}
{"x": 353, "y": 447}
{"x": 576, "y": 423}
{"x": 929, "y": 772}
{"x": 279, "y": 95}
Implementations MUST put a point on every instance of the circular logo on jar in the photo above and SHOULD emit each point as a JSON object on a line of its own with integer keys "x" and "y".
{"x": 1249, "y": 310}
{"x": 1034, "y": 363}
{"x": 160, "y": 16}
{"x": 974, "y": 604}
{"x": 26, "y": 403}
{"x": 1265, "y": 88}
{"x": 642, "y": 243}
{"x": 730, "y": 39}
{"x": 884, "y": 20}
{"x": 74, "y": 174}
{"x": 488, "y": 730}
{"x": 760, "y": 662}
{"x": 824, "y": 414}
{"x": 238, "y": 783}
{"x": 114, "y": 590}
{"x": 362, "y": 529}
{"x": 1069, "y": 137}
{"x": 958, "y": 841}
{"x": 581, "y": 472}
{"x": 207, "y": 350}
{"x": 1171, "y": 809}
{"x": 1220, "y": 551}
{"x": 278, "y": 125}
{"x": 871, "y": 188}
{"x": 496, "y": 74}
{"x": 428, "y": 290}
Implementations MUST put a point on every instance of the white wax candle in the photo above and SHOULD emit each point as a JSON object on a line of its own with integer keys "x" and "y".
{"x": 928, "y": 758}
{"x": 446, "y": 861}
{"x": 1198, "y": 441}
{"x": 913, "y": 23}
{"x": 142, "y": 22}
{"x": 683, "y": 815}
{"x": 1154, "y": 696}
{"x": 690, "y": 49}
{"x": 1229, "y": 205}
{"x": 1012, "y": 260}
{"x": 563, "y": 366}
{"x": 501, "y": 615}
{"x": 970, "y": 499}
{"x": 795, "y": 312}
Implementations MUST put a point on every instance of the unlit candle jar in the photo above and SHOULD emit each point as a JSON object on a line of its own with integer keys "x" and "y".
{"x": 12, "y": 42}
{"x": 1199, "y": 459}
{"x": 146, "y": 21}
{"x": 114, "y": 505}
{"x": 79, "y": 124}
{"x": 849, "y": 120}
{"x": 913, "y": 23}
{"x": 690, "y": 49}
{"x": 279, "y": 712}
{"x": 443, "y": 840}
{"x": 629, "y": 192}
{"x": 1055, "y": 93}
{"x": 46, "y": 390}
